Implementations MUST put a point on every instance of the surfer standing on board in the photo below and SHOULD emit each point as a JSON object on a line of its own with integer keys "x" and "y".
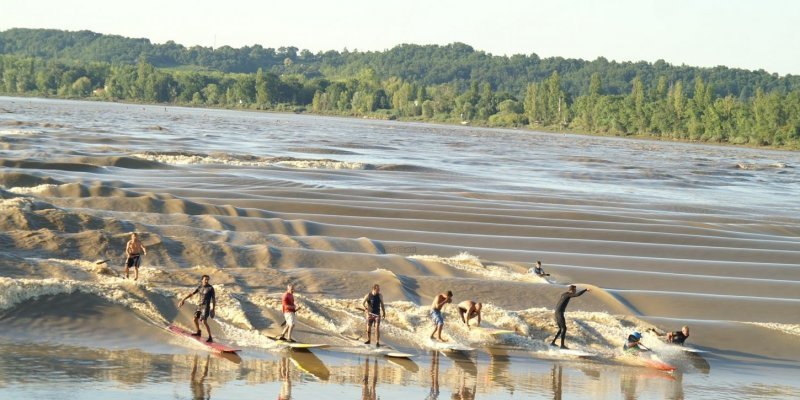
{"x": 208, "y": 303}
{"x": 436, "y": 313}
{"x": 561, "y": 307}
{"x": 373, "y": 306}
{"x": 287, "y": 305}
{"x": 133, "y": 255}
{"x": 469, "y": 309}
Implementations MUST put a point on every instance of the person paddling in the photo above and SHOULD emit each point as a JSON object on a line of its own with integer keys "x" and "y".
{"x": 208, "y": 303}
{"x": 373, "y": 306}
{"x": 561, "y": 307}
{"x": 634, "y": 344}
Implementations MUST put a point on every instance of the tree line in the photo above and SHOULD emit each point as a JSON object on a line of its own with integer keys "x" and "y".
{"x": 452, "y": 83}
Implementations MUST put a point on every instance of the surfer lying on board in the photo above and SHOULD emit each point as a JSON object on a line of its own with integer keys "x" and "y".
{"x": 208, "y": 302}
{"x": 538, "y": 270}
{"x": 676, "y": 337}
{"x": 133, "y": 255}
{"x": 561, "y": 307}
{"x": 373, "y": 306}
{"x": 436, "y": 313}
{"x": 469, "y": 309}
{"x": 634, "y": 345}
{"x": 288, "y": 307}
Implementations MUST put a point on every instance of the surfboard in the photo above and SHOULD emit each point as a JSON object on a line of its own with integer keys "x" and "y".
{"x": 383, "y": 350}
{"x": 691, "y": 350}
{"x": 646, "y": 360}
{"x": 214, "y": 346}
{"x": 571, "y": 352}
{"x": 490, "y": 331}
{"x": 298, "y": 345}
{"x": 447, "y": 346}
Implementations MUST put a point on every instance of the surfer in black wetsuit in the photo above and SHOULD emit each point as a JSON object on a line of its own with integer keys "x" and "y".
{"x": 208, "y": 302}
{"x": 678, "y": 337}
{"x": 373, "y": 306}
{"x": 559, "y": 314}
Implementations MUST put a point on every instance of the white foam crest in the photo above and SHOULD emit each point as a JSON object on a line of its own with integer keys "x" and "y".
{"x": 17, "y": 203}
{"x": 31, "y": 190}
{"x": 17, "y": 132}
{"x": 322, "y": 164}
{"x": 192, "y": 159}
{"x": 756, "y": 167}
{"x": 790, "y": 329}
{"x": 15, "y": 291}
{"x": 467, "y": 262}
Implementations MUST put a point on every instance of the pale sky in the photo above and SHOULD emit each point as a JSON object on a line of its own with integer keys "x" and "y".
{"x": 750, "y": 34}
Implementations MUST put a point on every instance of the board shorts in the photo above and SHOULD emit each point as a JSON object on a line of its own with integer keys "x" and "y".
{"x": 289, "y": 317}
{"x": 133, "y": 261}
{"x": 437, "y": 317}
{"x": 203, "y": 312}
{"x": 373, "y": 318}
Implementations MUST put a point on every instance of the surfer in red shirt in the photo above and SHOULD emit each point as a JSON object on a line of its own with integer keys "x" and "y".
{"x": 287, "y": 305}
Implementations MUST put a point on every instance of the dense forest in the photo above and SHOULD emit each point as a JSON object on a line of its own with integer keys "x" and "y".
{"x": 453, "y": 83}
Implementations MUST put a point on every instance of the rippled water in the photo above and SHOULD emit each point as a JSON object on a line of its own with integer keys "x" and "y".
{"x": 667, "y": 234}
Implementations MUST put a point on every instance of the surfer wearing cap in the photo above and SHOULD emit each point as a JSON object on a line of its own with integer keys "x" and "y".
{"x": 373, "y": 307}
{"x": 634, "y": 345}
{"x": 133, "y": 255}
{"x": 208, "y": 303}
{"x": 469, "y": 309}
{"x": 561, "y": 307}
{"x": 288, "y": 308}
{"x": 436, "y": 313}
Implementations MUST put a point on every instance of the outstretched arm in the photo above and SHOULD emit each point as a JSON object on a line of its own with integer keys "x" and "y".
{"x": 185, "y": 298}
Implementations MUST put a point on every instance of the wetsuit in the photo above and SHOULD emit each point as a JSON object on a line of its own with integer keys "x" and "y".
{"x": 678, "y": 337}
{"x": 207, "y": 296}
{"x": 559, "y": 314}
{"x": 373, "y": 307}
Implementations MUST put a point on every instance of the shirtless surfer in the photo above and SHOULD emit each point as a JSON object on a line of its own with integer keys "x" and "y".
{"x": 436, "y": 313}
{"x": 133, "y": 253}
{"x": 469, "y": 309}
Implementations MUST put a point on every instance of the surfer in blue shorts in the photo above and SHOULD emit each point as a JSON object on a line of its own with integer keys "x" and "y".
{"x": 373, "y": 306}
{"x": 436, "y": 313}
{"x": 208, "y": 303}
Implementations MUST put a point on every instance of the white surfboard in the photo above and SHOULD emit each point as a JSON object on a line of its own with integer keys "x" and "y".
{"x": 479, "y": 330}
{"x": 571, "y": 352}
{"x": 447, "y": 346}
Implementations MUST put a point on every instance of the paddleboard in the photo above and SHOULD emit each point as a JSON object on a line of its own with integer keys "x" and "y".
{"x": 214, "y": 346}
{"x": 691, "y": 350}
{"x": 491, "y": 331}
{"x": 571, "y": 352}
{"x": 646, "y": 360}
{"x": 297, "y": 345}
{"x": 447, "y": 346}
{"x": 383, "y": 350}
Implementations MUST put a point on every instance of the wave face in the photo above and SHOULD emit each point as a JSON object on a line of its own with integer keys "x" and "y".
{"x": 663, "y": 234}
